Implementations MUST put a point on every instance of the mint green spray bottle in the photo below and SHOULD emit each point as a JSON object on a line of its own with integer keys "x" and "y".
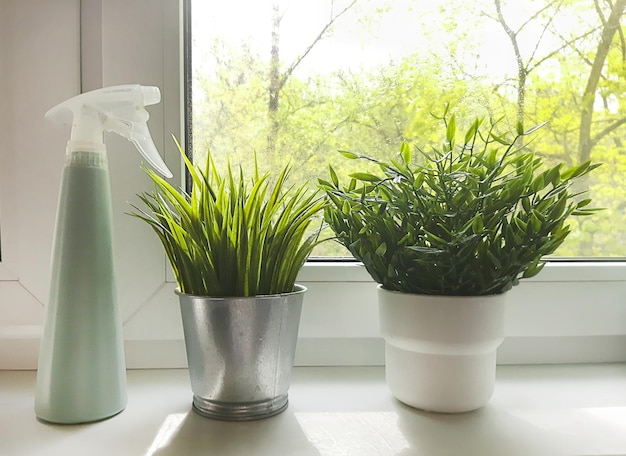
{"x": 81, "y": 375}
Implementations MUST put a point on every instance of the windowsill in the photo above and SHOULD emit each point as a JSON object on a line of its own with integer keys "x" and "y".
{"x": 536, "y": 410}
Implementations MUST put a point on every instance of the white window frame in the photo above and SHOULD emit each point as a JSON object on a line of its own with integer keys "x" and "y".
{"x": 571, "y": 312}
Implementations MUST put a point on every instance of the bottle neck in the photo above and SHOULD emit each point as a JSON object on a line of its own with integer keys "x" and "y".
{"x": 86, "y": 154}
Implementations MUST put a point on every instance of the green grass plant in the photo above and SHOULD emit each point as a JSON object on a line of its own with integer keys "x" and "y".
{"x": 233, "y": 235}
{"x": 467, "y": 218}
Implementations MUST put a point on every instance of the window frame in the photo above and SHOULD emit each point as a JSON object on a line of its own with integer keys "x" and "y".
{"x": 572, "y": 312}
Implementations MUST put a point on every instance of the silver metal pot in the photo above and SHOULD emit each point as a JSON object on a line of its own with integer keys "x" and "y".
{"x": 240, "y": 352}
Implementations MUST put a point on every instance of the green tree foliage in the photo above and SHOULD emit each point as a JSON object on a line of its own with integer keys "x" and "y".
{"x": 457, "y": 54}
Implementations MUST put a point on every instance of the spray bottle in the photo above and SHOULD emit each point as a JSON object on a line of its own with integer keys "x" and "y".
{"x": 81, "y": 375}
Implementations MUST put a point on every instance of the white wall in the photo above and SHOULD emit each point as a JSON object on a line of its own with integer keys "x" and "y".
{"x": 570, "y": 313}
{"x": 42, "y": 66}
{"x": 39, "y": 57}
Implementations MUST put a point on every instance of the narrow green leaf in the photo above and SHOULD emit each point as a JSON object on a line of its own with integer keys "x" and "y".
{"x": 538, "y": 184}
{"x": 325, "y": 184}
{"x": 405, "y": 152}
{"x": 451, "y": 131}
{"x": 533, "y": 270}
{"x": 477, "y": 224}
{"x": 350, "y": 155}
{"x": 333, "y": 176}
{"x": 534, "y": 129}
{"x": 471, "y": 132}
{"x": 575, "y": 171}
{"x": 499, "y": 139}
{"x": 365, "y": 177}
{"x": 535, "y": 222}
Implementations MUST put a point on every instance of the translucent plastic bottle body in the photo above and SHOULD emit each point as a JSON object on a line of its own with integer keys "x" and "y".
{"x": 81, "y": 375}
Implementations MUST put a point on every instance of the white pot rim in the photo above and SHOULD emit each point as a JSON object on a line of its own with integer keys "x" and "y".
{"x": 441, "y": 296}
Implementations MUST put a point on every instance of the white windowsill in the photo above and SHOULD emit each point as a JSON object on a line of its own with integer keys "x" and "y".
{"x": 535, "y": 410}
{"x": 569, "y": 313}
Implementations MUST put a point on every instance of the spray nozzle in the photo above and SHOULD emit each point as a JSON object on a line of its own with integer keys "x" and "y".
{"x": 120, "y": 109}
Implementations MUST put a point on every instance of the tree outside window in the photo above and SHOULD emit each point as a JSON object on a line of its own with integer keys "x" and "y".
{"x": 295, "y": 81}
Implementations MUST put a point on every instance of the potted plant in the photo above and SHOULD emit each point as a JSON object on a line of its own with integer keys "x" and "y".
{"x": 446, "y": 234}
{"x": 236, "y": 245}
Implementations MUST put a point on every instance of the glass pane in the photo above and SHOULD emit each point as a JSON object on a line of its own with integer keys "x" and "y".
{"x": 295, "y": 81}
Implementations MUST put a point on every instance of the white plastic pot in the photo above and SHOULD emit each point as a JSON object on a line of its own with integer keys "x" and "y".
{"x": 440, "y": 351}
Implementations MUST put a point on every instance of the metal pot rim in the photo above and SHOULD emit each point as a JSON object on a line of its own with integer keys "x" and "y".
{"x": 298, "y": 288}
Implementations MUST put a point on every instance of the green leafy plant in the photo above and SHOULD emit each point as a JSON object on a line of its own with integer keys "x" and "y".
{"x": 231, "y": 236}
{"x": 472, "y": 219}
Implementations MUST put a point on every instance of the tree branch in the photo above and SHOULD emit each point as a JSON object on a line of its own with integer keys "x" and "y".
{"x": 585, "y": 143}
{"x": 538, "y": 13}
{"x": 580, "y": 54}
{"x": 601, "y": 135}
{"x": 319, "y": 36}
{"x": 600, "y": 12}
{"x": 522, "y": 71}
{"x": 543, "y": 32}
{"x": 566, "y": 44}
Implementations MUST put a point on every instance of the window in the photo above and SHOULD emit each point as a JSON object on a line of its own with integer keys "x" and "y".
{"x": 296, "y": 81}
{"x": 572, "y": 312}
